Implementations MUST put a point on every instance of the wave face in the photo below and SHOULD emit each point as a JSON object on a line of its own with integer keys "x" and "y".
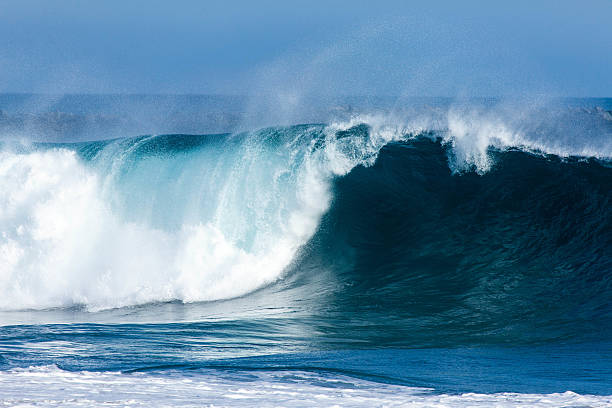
{"x": 467, "y": 221}
{"x": 519, "y": 253}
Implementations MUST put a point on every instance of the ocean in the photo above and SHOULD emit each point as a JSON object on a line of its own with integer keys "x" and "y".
{"x": 199, "y": 251}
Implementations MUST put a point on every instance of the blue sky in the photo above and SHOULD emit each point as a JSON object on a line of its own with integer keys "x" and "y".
{"x": 428, "y": 48}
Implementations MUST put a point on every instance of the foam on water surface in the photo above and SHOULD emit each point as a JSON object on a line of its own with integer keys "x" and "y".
{"x": 49, "y": 386}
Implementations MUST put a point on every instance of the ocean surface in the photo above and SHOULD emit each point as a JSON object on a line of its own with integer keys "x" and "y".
{"x": 198, "y": 251}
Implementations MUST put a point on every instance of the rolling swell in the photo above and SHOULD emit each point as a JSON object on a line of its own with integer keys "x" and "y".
{"x": 397, "y": 233}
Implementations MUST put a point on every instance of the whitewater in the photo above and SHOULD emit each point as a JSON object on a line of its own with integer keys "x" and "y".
{"x": 291, "y": 389}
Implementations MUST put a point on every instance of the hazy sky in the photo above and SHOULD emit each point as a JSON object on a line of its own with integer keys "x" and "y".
{"x": 430, "y": 48}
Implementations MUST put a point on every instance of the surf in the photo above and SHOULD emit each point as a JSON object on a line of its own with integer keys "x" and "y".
{"x": 194, "y": 218}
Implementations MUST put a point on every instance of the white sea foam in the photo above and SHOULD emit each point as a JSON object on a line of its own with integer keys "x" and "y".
{"x": 63, "y": 243}
{"x": 471, "y": 132}
{"x": 48, "y": 386}
{"x": 125, "y": 230}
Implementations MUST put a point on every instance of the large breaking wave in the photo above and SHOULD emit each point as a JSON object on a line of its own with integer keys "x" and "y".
{"x": 416, "y": 212}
